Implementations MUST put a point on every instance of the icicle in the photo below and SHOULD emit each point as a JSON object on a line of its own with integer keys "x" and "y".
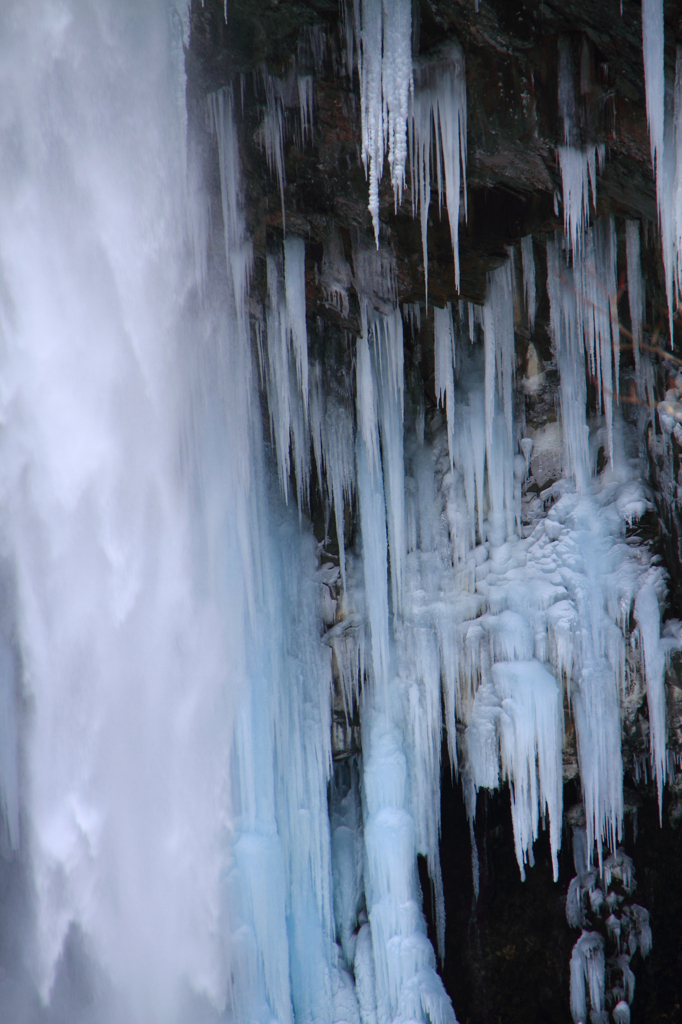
{"x": 438, "y": 136}
{"x": 522, "y": 708}
{"x": 596, "y": 295}
{"x": 396, "y": 84}
{"x": 587, "y": 976}
{"x": 287, "y": 405}
{"x": 648, "y": 617}
{"x": 273, "y": 136}
{"x": 294, "y": 283}
{"x": 374, "y": 560}
{"x": 579, "y": 166}
{"x": 385, "y": 81}
{"x": 331, "y": 428}
{"x": 566, "y": 91}
{"x": 238, "y": 248}
{"x": 367, "y": 401}
{"x": 579, "y": 169}
{"x": 305, "y": 102}
{"x": 635, "y": 297}
{"x": 654, "y": 79}
{"x": 528, "y": 262}
{"x": 336, "y": 276}
{"x": 279, "y": 393}
{"x": 444, "y": 350}
{"x": 498, "y": 329}
{"x": 388, "y": 350}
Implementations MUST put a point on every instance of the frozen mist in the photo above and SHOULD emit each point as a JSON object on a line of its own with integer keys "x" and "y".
{"x": 220, "y": 736}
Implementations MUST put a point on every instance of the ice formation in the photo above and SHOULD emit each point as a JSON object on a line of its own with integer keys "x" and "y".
{"x": 665, "y": 122}
{"x": 601, "y": 976}
{"x": 528, "y": 264}
{"x": 190, "y": 650}
{"x": 654, "y": 79}
{"x": 438, "y": 136}
{"x": 579, "y": 162}
{"x": 380, "y": 41}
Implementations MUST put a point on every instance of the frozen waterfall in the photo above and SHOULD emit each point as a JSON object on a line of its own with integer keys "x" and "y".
{"x": 221, "y": 724}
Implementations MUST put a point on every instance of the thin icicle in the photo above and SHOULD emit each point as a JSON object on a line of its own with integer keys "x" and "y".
{"x": 374, "y": 560}
{"x": 528, "y": 263}
{"x": 273, "y": 136}
{"x": 568, "y": 346}
{"x": 498, "y": 329}
{"x": 579, "y": 170}
{"x": 385, "y": 67}
{"x": 288, "y": 410}
{"x": 305, "y": 103}
{"x": 396, "y": 85}
{"x": 388, "y": 354}
{"x": 635, "y": 296}
{"x": 294, "y": 283}
{"x": 654, "y": 78}
{"x": 579, "y": 165}
{"x": 367, "y": 404}
{"x": 444, "y": 352}
{"x": 647, "y": 613}
{"x": 438, "y": 137}
{"x": 238, "y": 247}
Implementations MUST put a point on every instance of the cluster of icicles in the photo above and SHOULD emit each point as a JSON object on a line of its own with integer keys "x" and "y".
{"x": 182, "y": 644}
{"x": 465, "y": 601}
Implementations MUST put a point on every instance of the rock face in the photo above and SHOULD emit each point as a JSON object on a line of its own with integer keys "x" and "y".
{"x": 507, "y": 952}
